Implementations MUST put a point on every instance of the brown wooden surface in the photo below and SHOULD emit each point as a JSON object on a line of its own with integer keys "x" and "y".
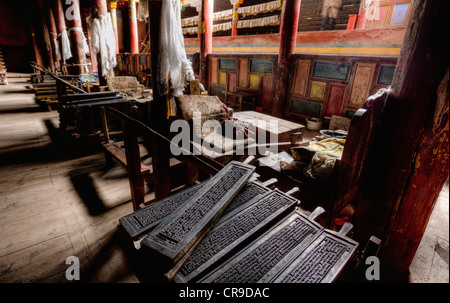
{"x": 285, "y": 127}
{"x": 408, "y": 162}
{"x": 335, "y": 100}
{"x": 301, "y": 77}
{"x": 243, "y": 70}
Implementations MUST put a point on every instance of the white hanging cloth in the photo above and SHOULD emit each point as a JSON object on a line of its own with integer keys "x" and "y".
{"x": 85, "y": 44}
{"x": 65, "y": 45}
{"x": 104, "y": 41}
{"x": 172, "y": 54}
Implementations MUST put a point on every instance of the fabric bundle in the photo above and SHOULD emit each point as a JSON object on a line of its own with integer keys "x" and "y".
{"x": 104, "y": 41}
{"x": 172, "y": 54}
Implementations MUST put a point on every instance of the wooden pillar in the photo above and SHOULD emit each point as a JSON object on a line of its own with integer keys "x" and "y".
{"x": 134, "y": 38}
{"x": 234, "y": 28}
{"x": 407, "y": 162}
{"x": 414, "y": 144}
{"x": 35, "y": 31}
{"x": 60, "y": 25}
{"x": 73, "y": 17}
{"x": 113, "y": 12}
{"x": 53, "y": 33}
{"x": 160, "y": 150}
{"x": 42, "y": 12}
{"x": 99, "y": 8}
{"x": 47, "y": 41}
{"x": 288, "y": 38}
{"x": 206, "y": 30}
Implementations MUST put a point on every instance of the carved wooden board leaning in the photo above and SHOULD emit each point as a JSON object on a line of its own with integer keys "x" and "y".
{"x": 178, "y": 232}
{"x": 234, "y": 230}
{"x": 270, "y": 251}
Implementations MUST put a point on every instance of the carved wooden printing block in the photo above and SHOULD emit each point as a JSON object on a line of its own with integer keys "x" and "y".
{"x": 233, "y": 230}
{"x": 143, "y": 220}
{"x": 256, "y": 260}
{"x": 176, "y": 234}
{"x": 321, "y": 262}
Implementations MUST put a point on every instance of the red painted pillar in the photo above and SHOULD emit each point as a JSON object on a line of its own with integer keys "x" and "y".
{"x": 36, "y": 36}
{"x": 76, "y": 38}
{"x": 47, "y": 41}
{"x": 113, "y": 12}
{"x": 288, "y": 33}
{"x": 60, "y": 25}
{"x": 206, "y": 30}
{"x": 134, "y": 38}
{"x": 234, "y": 29}
{"x": 54, "y": 37}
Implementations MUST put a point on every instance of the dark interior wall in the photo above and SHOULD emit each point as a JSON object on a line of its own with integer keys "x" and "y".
{"x": 14, "y": 37}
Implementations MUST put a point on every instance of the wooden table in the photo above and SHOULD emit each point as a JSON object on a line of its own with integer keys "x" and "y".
{"x": 241, "y": 98}
{"x": 284, "y": 130}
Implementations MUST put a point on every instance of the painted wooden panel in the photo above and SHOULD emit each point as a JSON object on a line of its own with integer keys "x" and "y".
{"x": 317, "y": 90}
{"x": 335, "y": 100}
{"x": 386, "y": 74}
{"x": 305, "y": 108}
{"x": 243, "y": 67}
{"x": 361, "y": 84}
{"x": 213, "y": 72}
{"x": 261, "y": 65}
{"x": 223, "y": 78}
{"x": 266, "y": 92}
{"x": 231, "y": 86}
{"x": 331, "y": 70}
{"x": 254, "y": 82}
{"x": 400, "y": 13}
{"x": 301, "y": 77}
{"x": 229, "y": 64}
{"x": 380, "y": 16}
